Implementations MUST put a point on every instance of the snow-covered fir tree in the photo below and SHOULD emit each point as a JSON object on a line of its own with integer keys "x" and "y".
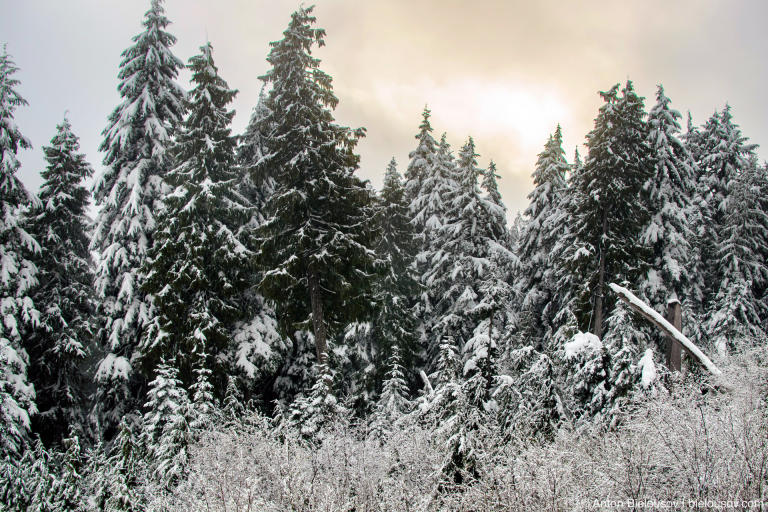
{"x": 318, "y": 412}
{"x": 469, "y": 242}
{"x": 535, "y": 282}
{"x": 199, "y": 269}
{"x": 204, "y": 411}
{"x": 166, "y": 432}
{"x": 58, "y": 346}
{"x": 737, "y": 312}
{"x": 18, "y": 275}
{"x": 125, "y": 472}
{"x": 724, "y": 154}
{"x": 529, "y": 398}
{"x": 565, "y": 304}
{"x": 255, "y": 186}
{"x": 67, "y": 490}
{"x": 420, "y": 166}
{"x": 394, "y": 325}
{"x": 316, "y": 244}
{"x": 128, "y": 194}
{"x": 670, "y": 230}
{"x": 394, "y": 402}
{"x": 609, "y": 209}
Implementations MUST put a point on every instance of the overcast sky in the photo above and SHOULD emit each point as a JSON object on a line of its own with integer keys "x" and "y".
{"x": 504, "y": 71}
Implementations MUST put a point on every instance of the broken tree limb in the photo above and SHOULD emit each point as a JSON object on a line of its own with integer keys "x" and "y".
{"x": 659, "y": 321}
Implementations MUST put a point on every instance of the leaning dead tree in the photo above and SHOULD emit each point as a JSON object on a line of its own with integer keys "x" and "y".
{"x": 667, "y": 328}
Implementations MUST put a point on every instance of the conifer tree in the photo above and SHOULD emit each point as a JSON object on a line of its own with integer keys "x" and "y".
{"x": 128, "y": 195}
{"x": 724, "y": 155}
{"x": 166, "y": 399}
{"x": 470, "y": 241}
{"x": 564, "y": 306}
{"x": 315, "y": 248}
{"x": 393, "y": 402}
{"x": 18, "y": 275}
{"x": 737, "y": 311}
{"x": 62, "y": 340}
{"x": 255, "y": 186}
{"x": 535, "y": 281}
{"x": 199, "y": 269}
{"x": 529, "y": 399}
{"x": 125, "y": 465}
{"x": 609, "y": 208}
{"x": 204, "y": 410}
{"x": 319, "y": 411}
{"x": 67, "y": 491}
{"x": 394, "y": 324}
{"x": 421, "y": 164}
{"x": 669, "y": 232}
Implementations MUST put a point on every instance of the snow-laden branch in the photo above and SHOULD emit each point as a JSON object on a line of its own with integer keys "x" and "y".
{"x": 660, "y": 322}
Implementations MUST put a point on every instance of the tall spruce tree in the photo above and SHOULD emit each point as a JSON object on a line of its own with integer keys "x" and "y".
{"x": 128, "y": 194}
{"x": 421, "y": 164}
{"x": 724, "y": 154}
{"x": 670, "y": 230}
{"x": 18, "y": 276}
{"x": 394, "y": 324}
{"x": 610, "y": 208}
{"x": 464, "y": 258}
{"x": 198, "y": 268}
{"x": 316, "y": 244}
{"x": 62, "y": 340}
{"x": 736, "y": 316}
{"x": 535, "y": 281}
{"x": 256, "y": 187}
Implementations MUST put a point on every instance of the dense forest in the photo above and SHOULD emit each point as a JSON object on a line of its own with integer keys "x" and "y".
{"x": 248, "y": 325}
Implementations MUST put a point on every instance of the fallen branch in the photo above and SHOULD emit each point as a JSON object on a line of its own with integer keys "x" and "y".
{"x": 659, "y": 321}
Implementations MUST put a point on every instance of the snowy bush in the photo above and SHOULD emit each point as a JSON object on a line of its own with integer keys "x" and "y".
{"x": 692, "y": 443}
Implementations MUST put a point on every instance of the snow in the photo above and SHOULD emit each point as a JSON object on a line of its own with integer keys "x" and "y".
{"x": 684, "y": 341}
{"x": 647, "y": 369}
{"x": 581, "y": 342}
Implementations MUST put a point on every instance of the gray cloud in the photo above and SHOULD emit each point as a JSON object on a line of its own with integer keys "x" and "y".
{"x": 503, "y": 71}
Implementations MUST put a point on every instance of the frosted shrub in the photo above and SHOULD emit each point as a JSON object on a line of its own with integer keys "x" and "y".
{"x": 693, "y": 443}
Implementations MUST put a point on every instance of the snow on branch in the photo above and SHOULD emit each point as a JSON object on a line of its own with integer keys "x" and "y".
{"x": 660, "y": 322}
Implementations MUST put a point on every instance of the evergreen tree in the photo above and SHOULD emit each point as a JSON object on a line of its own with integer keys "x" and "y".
{"x": 394, "y": 325}
{"x": 316, "y": 243}
{"x": 535, "y": 281}
{"x": 471, "y": 240}
{"x": 128, "y": 194}
{"x": 125, "y": 472}
{"x": 204, "y": 411}
{"x": 166, "y": 401}
{"x": 564, "y": 306}
{"x": 422, "y": 165}
{"x": 669, "y": 232}
{"x": 18, "y": 274}
{"x": 198, "y": 268}
{"x": 738, "y": 311}
{"x": 529, "y": 399}
{"x": 256, "y": 187}
{"x": 62, "y": 340}
{"x": 609, "y": 206}
{"x": 67, "y": 492}
{"x": 393, "y": 402}
{"x": 724, "y": 154}
{"x": 319, "y": 411}
{"x": 39, "y": 479}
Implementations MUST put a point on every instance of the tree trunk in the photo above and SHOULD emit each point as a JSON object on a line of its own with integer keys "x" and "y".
{"x": 674, "y": 350}
{"x": 318, "y": 320}
{"x": 597, "y": 328}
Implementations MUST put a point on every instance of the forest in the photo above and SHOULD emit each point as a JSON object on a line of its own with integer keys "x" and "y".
{"x": 246, "y": 324}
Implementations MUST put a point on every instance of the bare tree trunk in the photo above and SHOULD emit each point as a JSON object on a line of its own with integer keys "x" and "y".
{"x": 597, "y": 328}
{"x": 318, "y": 319}
{"x": 674, "y": 350}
